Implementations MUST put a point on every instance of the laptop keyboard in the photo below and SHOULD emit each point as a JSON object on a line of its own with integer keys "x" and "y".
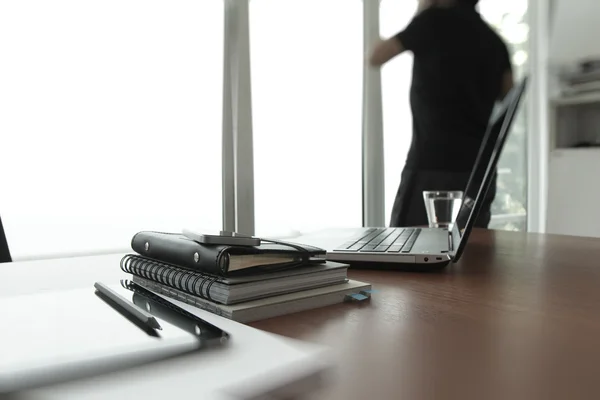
{"x": 383, "y": 240}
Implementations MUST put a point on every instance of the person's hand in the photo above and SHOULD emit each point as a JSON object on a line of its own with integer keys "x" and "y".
{"x": 423, "y": 4}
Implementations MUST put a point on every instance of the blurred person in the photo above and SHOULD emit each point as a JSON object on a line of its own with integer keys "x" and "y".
{"x": 461, "y": 68}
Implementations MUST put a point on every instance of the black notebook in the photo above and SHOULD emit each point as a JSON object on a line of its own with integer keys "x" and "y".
{"x": 224, "y": 260}
{"x": 235, "y": 288}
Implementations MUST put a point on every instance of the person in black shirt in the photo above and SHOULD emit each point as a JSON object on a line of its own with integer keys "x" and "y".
{"x": 461, "y": 68}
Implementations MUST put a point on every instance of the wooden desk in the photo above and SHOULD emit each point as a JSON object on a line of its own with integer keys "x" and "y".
{"x": 517, "y": 318}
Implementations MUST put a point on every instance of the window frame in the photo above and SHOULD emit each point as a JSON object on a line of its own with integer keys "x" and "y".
{"x": 238, "y": 149}
{"x": 238, "y": 201}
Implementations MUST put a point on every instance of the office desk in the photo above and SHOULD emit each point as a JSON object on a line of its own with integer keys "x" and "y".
{"x": 518, "y": 317}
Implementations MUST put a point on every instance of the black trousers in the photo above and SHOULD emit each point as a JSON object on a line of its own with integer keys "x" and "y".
{"x": 409, "y": 206}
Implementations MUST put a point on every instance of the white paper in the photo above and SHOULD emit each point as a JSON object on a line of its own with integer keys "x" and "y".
{"x": 253, "y": 362}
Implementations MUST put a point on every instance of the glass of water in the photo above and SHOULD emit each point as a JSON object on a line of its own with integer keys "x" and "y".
{"x": 442, "y": 207}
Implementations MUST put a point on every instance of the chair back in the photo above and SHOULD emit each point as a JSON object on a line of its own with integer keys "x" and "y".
{"x": 4, "y": 252}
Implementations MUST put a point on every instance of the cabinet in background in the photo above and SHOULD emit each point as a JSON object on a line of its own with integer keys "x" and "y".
{"x": 574, "y": 166}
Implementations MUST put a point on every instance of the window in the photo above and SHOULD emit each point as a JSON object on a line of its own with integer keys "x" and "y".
{"x": 396, "y": 76}
{"x": 110, "y": 113}
{"x": 509, "y": 210}
{"x": 306, "y": 66}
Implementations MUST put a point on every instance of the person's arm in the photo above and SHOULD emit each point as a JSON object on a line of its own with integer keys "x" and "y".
{"x": 423, "y": 4}
{"x": 507, "y": 83}
{"x": 507, "y": 78}
{"x": 384, "y": 51}
{"x": 417, "y": 36}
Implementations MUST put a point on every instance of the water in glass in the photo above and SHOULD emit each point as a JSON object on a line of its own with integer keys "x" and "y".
{"x": 442, "y": 207}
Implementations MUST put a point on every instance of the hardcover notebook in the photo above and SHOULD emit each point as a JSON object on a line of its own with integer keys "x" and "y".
{"x": 223, "y": 260}
{"x": 267, "y": 307}
{"x": 239, "y": 288}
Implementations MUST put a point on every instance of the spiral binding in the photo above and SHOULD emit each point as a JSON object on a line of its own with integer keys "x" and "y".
{"x": 191, "y": 282}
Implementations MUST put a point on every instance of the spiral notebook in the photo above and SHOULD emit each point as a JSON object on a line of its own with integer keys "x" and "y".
{"x": 235, "y": 289}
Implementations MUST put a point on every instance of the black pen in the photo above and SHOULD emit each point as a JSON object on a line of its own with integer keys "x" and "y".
{"x": 133, "y": 310}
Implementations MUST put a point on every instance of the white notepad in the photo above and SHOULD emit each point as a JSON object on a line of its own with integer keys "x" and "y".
{"x": 60, "y": 335}
{"x": 252, "y": 364}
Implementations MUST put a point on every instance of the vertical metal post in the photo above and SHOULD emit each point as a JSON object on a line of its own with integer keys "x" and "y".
{"x": 228, "y": 160}
{"x": 244, "y": 149}
{"x": 372, "y": 126}
{"x": 238, "y": 151}
{"x": 538, "y": 129}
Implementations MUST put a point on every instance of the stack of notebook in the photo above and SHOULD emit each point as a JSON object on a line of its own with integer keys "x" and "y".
{"x": 242, "y": 283}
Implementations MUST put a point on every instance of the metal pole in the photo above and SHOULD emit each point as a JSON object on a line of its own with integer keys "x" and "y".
{"x": 372, "y": 128}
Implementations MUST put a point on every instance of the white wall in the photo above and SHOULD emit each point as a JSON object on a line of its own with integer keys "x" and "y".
{"x": 573, "y": 192}
{"x": 575, "y": 31}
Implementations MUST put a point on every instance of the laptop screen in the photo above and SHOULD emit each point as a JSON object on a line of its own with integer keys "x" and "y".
{"x": 484, "y": 170}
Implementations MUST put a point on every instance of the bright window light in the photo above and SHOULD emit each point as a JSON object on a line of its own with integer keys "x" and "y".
{"x": 110, "y": 113}
{"x": 307, "y": 58}
{"x": 394, "y": 15}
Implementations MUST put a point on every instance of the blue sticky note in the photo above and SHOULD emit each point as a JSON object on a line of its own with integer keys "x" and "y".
{"x": 358, "y": 296}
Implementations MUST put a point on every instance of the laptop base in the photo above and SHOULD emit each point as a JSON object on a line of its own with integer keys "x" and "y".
{"x": 402, "y": 267}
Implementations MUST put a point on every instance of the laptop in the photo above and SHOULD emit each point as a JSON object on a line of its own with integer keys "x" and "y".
{"x": 432, "y": 248}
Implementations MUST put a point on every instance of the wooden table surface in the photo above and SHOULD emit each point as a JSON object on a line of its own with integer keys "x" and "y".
{"x": 517, "y": 318}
